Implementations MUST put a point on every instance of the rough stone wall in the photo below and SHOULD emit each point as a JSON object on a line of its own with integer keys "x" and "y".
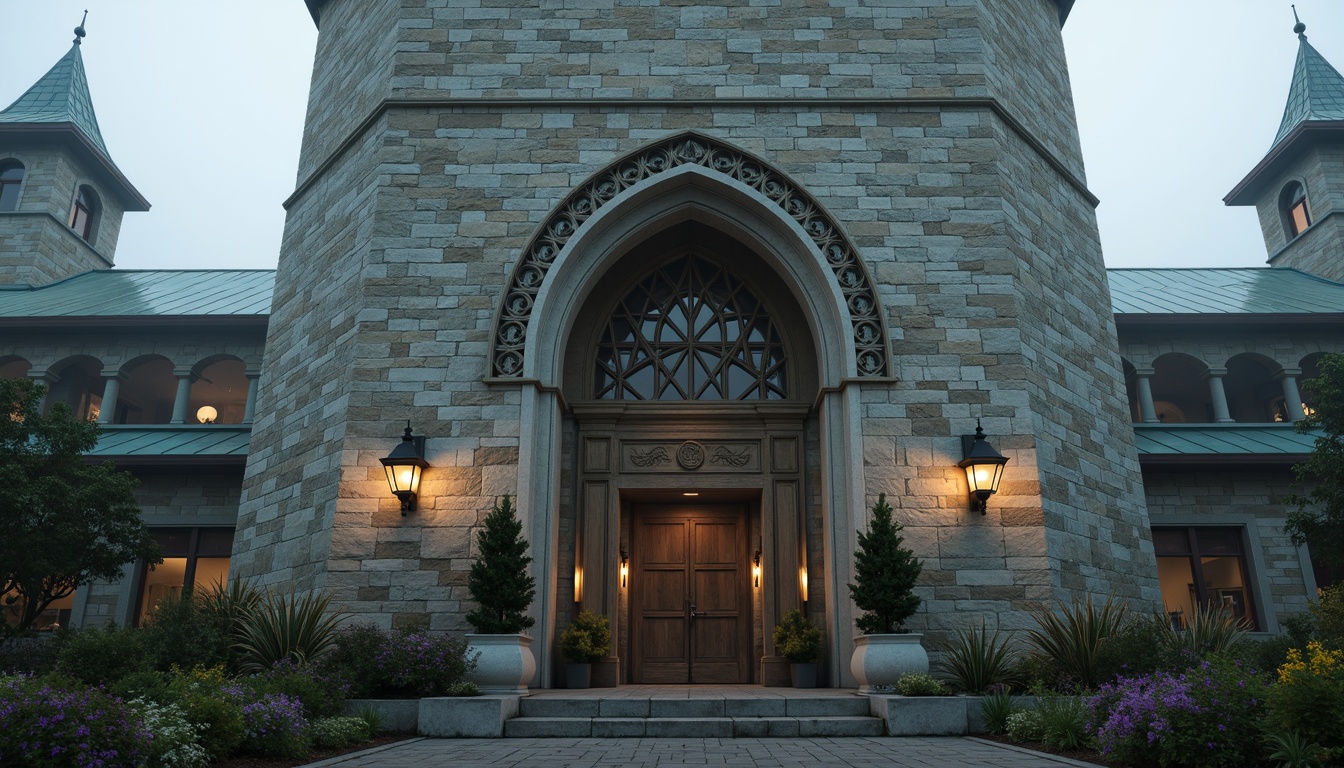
{"x": 1319, "y": 250}
{"x": 167, "y": 499}
{"x": 1247, "y": 498}
{"x": 36, "y": 245}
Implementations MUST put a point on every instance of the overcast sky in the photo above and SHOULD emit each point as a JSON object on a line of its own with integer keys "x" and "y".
{"x": 202, "y": 108}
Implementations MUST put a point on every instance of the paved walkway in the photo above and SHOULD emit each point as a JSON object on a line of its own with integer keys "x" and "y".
{"x": 750, "y": 753}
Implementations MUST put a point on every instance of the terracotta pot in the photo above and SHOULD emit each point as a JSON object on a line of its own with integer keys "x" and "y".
{"x": 505, "y": 665}
{"x": 880, "y": 660}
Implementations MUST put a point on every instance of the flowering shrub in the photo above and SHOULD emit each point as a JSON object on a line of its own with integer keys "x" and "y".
{"x": 321, "y": 693}
{"x": 1309, "y": 698}
{"x": 333, "y": 732}
{"x": 1206, "y": 716}
{"x": 50, "y": 725}
{"x": 176, "y": 741}
{"x": 274, "y": 726}
{"x": 209, "y": 700}
{"x": 916, "y": 684}
{"x": 1024, "y": 725}
{"x": 421, "y": 664}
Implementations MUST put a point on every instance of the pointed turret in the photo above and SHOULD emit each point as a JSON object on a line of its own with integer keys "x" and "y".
{"x": 1293, "y": 186}
{"x": 61, "y": 196}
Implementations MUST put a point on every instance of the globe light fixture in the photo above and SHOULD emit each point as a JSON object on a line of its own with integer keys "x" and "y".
{"x": 207, "y": 414}
{"x": 403, "y": 466}
{"x": 984, "y": 467}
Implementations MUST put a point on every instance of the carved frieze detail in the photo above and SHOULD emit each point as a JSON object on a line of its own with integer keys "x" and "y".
{"x": 676, "y": 456}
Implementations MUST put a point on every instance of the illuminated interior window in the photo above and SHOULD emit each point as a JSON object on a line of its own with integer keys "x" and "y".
{"x": 56, "y": 615}
{"x": 1296, "y": 210}
{"x": 691, "y": 330}
{"x": 192, "y": 557}
{"x": 1203, "y": 567}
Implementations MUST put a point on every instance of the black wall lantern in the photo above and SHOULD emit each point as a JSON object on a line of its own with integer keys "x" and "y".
{"x": 983, "y": 465}
{"x": 403, "y": 466}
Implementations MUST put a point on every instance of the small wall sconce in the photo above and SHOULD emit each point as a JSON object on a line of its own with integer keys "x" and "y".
{"x": 983, "y": 465}
{"x": 802, "y": 583}
{"x": 207, "y": 414}
{"x": 403, "y": 466}
{"x": 756, "y": 569}
{"x": 578, "y": 584}
{"x": 625, "y": 569}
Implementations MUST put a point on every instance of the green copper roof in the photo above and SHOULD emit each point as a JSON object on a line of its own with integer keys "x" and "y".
{"x": 1222, "y": 440}
{"x": 1317, "y": 92}
{"x": 60, "y": 96}
{"x": 1253, "y": 290}
{"x": 140, "y": 293}
{"x": 191, "y": 442}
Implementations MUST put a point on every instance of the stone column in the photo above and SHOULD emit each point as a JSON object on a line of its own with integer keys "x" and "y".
{"x": 252, "y": 374}
{"x": 46, "y": 378}
{"x": 1219, "y": 397}
{"x": 111, "y": 388}
{"x": 185, "y": 377}
{"x": 1292, "y": 398}
{"x": 1147, "y": 411}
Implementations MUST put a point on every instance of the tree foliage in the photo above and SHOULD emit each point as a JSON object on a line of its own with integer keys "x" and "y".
{"x": 886, "y": 573}
{"x": 65, "y": 521}
{"x": 1319, "y": 517}
{"x": 499, "y": 581}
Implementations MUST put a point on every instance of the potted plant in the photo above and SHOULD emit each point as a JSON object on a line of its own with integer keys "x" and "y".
{"x": 503, "y": 590}
{"x": 586, "y": 642}
{"x": 799, "y": 641}
{"x": 885, "y": 573}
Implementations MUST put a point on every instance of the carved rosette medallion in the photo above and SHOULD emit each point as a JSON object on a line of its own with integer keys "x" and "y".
{"x": 690, "y": 455}
{"x": 869, "y": 332}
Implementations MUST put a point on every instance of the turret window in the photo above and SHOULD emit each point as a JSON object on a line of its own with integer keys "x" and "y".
{"x": 83, "y": 213}
{"x": 11, "y": 178}
{"x": 1296, "y": 211}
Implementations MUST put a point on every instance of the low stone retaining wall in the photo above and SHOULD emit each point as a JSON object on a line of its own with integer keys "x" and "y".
{"x": 934, "y": 715}
{"x": 400, "y": 715}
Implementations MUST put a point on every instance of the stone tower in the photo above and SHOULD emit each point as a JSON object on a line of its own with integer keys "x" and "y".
{"x": 61, "y": 196}
{"x": 1298, "y": 188}
{"x": 695, "y": 283}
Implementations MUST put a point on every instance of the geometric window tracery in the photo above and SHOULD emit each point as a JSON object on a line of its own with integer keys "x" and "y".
{"x": 691, "y": 330}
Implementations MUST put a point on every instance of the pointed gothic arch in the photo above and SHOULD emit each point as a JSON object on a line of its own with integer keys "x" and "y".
{"x": 847, "y": 273}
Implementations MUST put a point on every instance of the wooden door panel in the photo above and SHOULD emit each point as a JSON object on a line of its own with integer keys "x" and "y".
{"x": 684, "y": 555}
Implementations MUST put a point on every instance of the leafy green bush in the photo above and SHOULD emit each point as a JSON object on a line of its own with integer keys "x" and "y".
{"x": 995, "y": 708}
{"x": 209, "y": 700}
{"x": 1309, "y": 697}
{"x": 1073, "y": 637}
{"x": 147, "y": 684}
{"x": 354, "y": 659}
{"x": 274, "y": 725}
{"x": 797, "y": 639}
{"x": 30, "y": 655}
{"x": 286, "y": 627}
{"x": 885, "y": 573}
{"x": 102, "y": 656}
{"x": 322, "y": 695}
{"x": 1136, "y": 648}
{"x": 334, "y": 732}
{"x": 50, "y": 724}
{"x": 464, "y": 688}
{"x": 587, "y": 640}
{"x": 915, "y": 684}
{"x": 1328, "y": 612}
{"x": 182, "y": 632}
{"x": 1064, "y": 720}
{"x": 977, "y": 660}
{"x": 1024, "y": 725}
{"x": 422, "y": 664}
{"x": 176, "y": 741}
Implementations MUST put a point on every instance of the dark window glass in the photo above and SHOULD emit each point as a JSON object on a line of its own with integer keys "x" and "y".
{"x": 81, "y": 216}
{"x": 192, "y": 557}
{"x": 1203, "y": 567}
{"x": 690, "y": 331}
{"x": 11, "y": 178}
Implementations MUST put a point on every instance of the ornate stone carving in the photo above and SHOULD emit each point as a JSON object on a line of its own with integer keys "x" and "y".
{"x": 649, "y": 458}
{"x": 730, "y": 459}
{"x": 690, "y": 455}
{"x": 869, "y": 334}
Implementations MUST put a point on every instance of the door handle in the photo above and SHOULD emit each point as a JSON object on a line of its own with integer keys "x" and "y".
{"x": 695, "y": 613}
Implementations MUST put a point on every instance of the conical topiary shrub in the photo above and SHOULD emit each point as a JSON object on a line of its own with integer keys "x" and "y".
{"x": 885, "y": 573}
{"x": 499, "y": 582}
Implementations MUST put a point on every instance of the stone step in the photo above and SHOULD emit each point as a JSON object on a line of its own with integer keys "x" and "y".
{"x": 820, "y": 706}
{"x": 690, "y": 727}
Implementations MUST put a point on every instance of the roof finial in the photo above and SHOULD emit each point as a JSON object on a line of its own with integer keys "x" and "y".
{"x": 1299, "y": 27}
{"x": 79, "y": 31}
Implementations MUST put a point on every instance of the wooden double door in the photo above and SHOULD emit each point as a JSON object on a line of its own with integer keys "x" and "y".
{"x": 690, "y": 594}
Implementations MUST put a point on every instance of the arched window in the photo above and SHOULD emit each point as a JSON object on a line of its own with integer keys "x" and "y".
{"x": 1296, "y": 211}
{"x": 83, "y": 213}
{"x": 11, "y": 178}
{"x": 691, "y": 330}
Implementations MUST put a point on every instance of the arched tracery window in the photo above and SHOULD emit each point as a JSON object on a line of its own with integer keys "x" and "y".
{"x": 691, "y": 330}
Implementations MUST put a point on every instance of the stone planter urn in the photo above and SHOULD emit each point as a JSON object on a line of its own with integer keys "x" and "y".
{"x": 803, "y": 675}
{"x": 505, "y": 664}
{"x": 880, "y": 660}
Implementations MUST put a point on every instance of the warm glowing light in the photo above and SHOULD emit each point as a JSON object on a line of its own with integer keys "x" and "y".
{"x": 207, "y": 414}
{"x": 405, "y": 479}
{"x": 802, "y": 583}
{"x": 690, "y": 493}
{"x": 625, "y": 575}
{"x": 578, "y": 584}
{"x": 756, "y": 575}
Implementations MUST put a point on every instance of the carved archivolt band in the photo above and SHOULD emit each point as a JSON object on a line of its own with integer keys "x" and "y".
{"x": 511, "y": 324}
